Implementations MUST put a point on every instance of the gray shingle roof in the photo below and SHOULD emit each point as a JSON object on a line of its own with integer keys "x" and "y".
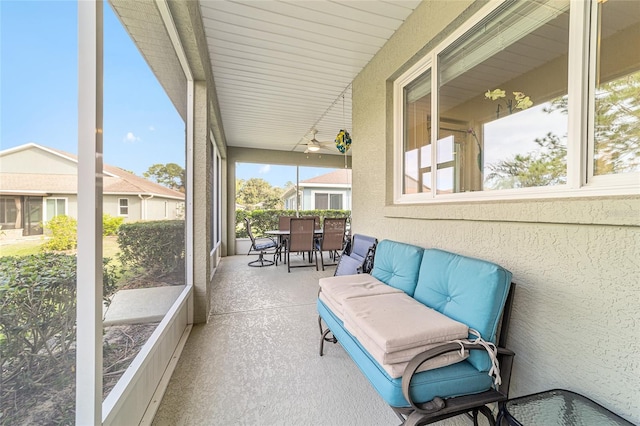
{"x": 115, "y": 180}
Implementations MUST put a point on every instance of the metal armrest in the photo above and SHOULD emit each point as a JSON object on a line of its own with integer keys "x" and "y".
{"x": 438, "y": 404}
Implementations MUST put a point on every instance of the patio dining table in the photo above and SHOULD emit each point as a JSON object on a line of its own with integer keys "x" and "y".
{"x": 282, "y": 233}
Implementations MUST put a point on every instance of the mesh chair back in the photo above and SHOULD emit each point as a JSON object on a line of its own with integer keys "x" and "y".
{"x": 333, "y": 233}
{"x": 316, "y": 220}
{"x": 362, "y": 252}
{"x": 251, "y": 237}
{"x": 301, "y": 234}
{"x": 284, "y": 222}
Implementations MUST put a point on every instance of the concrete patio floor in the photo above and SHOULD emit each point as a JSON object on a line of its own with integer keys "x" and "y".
{"x": 256, "y": 361}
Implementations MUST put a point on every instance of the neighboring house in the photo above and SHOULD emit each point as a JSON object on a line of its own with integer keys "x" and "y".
{"x": 328, "y": 191}
{"x": 38, "y": 183}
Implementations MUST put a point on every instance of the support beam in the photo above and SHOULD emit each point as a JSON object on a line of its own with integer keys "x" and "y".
{"x": 202, "y": 202}
{"x": 89, "y": 258}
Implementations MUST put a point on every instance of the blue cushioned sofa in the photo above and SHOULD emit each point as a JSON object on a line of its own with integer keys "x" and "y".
{"x": 468, "y": 290}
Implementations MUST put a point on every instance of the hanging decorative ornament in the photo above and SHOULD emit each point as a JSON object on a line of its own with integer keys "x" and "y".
{"x": 343, "y": 141}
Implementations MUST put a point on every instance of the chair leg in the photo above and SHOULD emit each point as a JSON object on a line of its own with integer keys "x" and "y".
{"x": 321, "y": 260}
{"x": 260, "y": 261}
{"x": 286, "y": 254}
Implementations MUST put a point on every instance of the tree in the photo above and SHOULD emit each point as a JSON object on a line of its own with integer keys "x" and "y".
{"x": 257, "y": 193}
{"x": 617, "y": 141}
{"x": 546, "y": 166}
{"x": 617, "y": 127}
{"x": 170, "y": 175}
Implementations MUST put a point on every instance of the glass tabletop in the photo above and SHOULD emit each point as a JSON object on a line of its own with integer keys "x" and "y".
{"x": 561, "y": 407}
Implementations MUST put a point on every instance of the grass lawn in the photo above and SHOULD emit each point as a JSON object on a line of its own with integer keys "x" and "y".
{"x": 23, "y": 248}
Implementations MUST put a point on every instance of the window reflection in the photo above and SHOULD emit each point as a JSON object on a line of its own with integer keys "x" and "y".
{"x": 617, "y": 97}
{"x": 503, "y": 87}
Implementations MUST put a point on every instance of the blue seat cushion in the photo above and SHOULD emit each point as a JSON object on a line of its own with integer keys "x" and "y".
{"x": 468, "y": 290}
{"x": 263, "y": 245}
{"x": 445, "y": 382}
{"x": 397, "y": 264}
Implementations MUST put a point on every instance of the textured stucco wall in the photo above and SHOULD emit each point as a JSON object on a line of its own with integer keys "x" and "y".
{"x": 202, "y": 194}
{"x": 576, "y": 262}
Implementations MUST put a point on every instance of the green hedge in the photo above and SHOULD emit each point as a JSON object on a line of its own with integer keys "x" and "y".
{"x": 37, "y": 322}
{"x": 156, "y": 247}
{"x": 265, "y": 220}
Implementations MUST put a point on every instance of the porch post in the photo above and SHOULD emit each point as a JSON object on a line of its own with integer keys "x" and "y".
{"x": 202, "y": 202}
{"x": 89, "y": 258}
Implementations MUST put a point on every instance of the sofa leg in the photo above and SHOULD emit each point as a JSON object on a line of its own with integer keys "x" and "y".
{"x": 324, "y": 338}
{"x": 486, "y": 411}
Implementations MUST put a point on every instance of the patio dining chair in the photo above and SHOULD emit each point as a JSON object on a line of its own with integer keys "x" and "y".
{"x": 316, "y": 221}
{"x": 332, "y": 238}
{"x": 283, "y": 225}
{"x": 262, "y": 246}
{"x": 301, "y": 235}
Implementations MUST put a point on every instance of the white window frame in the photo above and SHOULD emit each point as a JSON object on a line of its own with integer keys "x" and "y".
{"x": 582, "y": 64}
{"x": 120, "y": 207}
{"x": 329, "y": 193}
{"x": 216, "y": 196}
{"x": 45, "y": 212}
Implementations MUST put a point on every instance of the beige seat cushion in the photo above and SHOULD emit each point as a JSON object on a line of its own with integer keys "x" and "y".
{"x": 335, "y": 290}
{"x": 397, "y": 357}
{"x": 395, "y": 363}
{"x": 396, "y": 322}
{"x": 336, "y": 309}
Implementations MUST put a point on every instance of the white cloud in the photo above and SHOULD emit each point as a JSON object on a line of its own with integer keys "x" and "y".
{"x": 264, "y": 169}
{"x": 152, "y": 128}
{"x": 131, "y": 138}
{"x": 511, "y": 135}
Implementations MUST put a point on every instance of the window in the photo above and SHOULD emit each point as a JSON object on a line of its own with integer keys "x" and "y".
{"x": 55, "y": 207}
{"x": 499, "y": 100}
{"x": 9, "y": 212}
{"x": 216, "y": 197}
{"x": 417, "y": 143}
{"x": 123, "y": 207}
{"x": 335, "y": 201}
{"x": 617, "y": 97}
{"x": 324, "y": 201}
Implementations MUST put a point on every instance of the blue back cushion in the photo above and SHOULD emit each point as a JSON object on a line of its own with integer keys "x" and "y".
{"x": 397, "y": 264}
{"x": 468, "y": 290}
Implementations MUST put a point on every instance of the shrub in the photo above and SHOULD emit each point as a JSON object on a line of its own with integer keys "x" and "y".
{"x": 37, "y": 320}
{"x": 64, "y": 233}
{"x": 110, "y": 224}
{"x": 157, "y": 247}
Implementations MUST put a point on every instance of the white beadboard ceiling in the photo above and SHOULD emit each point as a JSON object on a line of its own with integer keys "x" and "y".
{"x": 283, "y": 68}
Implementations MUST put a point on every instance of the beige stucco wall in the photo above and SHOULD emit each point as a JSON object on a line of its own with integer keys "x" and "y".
{"x": 155, "y": 207}
{"x": 576, "y": 262}
{"x": 37, "y": 161}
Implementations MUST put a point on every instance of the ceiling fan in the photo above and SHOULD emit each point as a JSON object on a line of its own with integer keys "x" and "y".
{"x": 314, "y": 145}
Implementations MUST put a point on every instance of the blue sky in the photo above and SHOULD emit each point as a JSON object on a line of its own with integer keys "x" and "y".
{"x": 39, "y": 90}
